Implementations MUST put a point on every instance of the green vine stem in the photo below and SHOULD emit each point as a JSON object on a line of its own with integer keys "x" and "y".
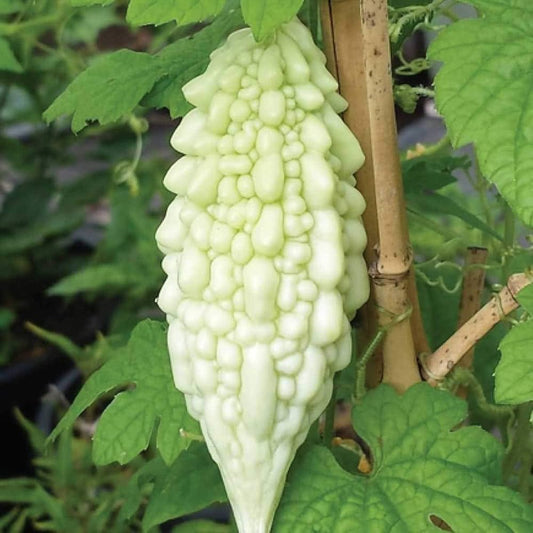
{"x": 520, "y": 450}
{"x": 360, "y": 376}
{"x": 12, "y": 28}
{"x": 466, "y": 378}
{"x": 360, "y": 379}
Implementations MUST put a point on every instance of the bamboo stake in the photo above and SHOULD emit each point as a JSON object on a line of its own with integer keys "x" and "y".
{"x": 343, "y": 44}
{"x": 442, "y": 361}
{"x": 471, "y": 293}
{"x": 360, "y": 51}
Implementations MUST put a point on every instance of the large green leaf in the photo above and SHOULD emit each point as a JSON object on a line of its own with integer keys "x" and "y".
{"x": 514, "y": 373}
{"x": 126, "y": 426}
{"x": 265, "y": 16}
{"x": 115, "y": 83}
{"x": 420, "y": 469}
{"x": 485, "y": 93}
{"x": 525, "y": 297}
{"x": 186, "y": 59}
{"x": 182, "y": 11}
{"x": 107, "y": 90}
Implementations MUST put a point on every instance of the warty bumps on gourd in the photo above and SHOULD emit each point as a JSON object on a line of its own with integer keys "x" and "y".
{"x": 263, "y": 251}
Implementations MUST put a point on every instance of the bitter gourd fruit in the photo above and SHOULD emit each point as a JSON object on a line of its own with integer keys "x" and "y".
{"x": 263, "y": 252}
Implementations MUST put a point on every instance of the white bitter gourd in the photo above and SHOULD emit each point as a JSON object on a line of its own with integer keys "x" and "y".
{"x": 263, "y": 249}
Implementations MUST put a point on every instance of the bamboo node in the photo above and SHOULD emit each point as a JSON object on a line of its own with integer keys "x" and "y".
{"x": 382, "y": 278}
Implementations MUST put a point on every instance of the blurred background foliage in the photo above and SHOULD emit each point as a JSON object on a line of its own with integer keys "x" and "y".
{"x": 78, "y": 262}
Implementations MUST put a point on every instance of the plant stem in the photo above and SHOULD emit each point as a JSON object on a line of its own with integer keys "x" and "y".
{"x": 16, "y": 27}
{"x": 520, "y": 449}
{"x": 360, "y": 377}
{"x": 465, "y": 377}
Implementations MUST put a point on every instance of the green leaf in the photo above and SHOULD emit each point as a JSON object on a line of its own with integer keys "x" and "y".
{"x": 191, "y": 483}
{"x": 26, "y": 202}
{"x": 84, "y": 191}
{"x": 116, "y": 83}
{"x": 182, "y": 11}
{"x": 7, "y": 317}
{"x": 309, "y": 15}
{"x": 265, "y": 17}
{"x": 525, "y": 297}
{"x": 28, "y": 491}
{"x": 36, "y": 437}
{"x": 107, "y": 90}
{"x": 8, "y": 61}
{"x": 430, "y": 173}
{"x": 186, "y": 59}
{"x": 29, "y": 237}
{"x": 484, "y": 91}
{"x": 133, "y": 493}
{"x": 438, "y": 204}
{"x": 58, "y": 340}
{"x": 96, "y": 278}
{"x": 11, "y": 515}
{"x": 18, "y": 490}
{"x": 85, "y": 25}
{"x": 514, "y": 373}
{"x": 486, "y": 358}
{"x": 9, "y": 6}
{"x": 126, "y": 426}
{"x": 420, "y": 469}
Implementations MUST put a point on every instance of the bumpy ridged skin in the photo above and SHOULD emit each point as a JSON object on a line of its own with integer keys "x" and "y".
{"x": 264, "y": 259}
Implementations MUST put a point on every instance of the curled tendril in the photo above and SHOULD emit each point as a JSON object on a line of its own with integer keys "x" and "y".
{"x": 400, "y": 17}
{"x": 439, "y": 282}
